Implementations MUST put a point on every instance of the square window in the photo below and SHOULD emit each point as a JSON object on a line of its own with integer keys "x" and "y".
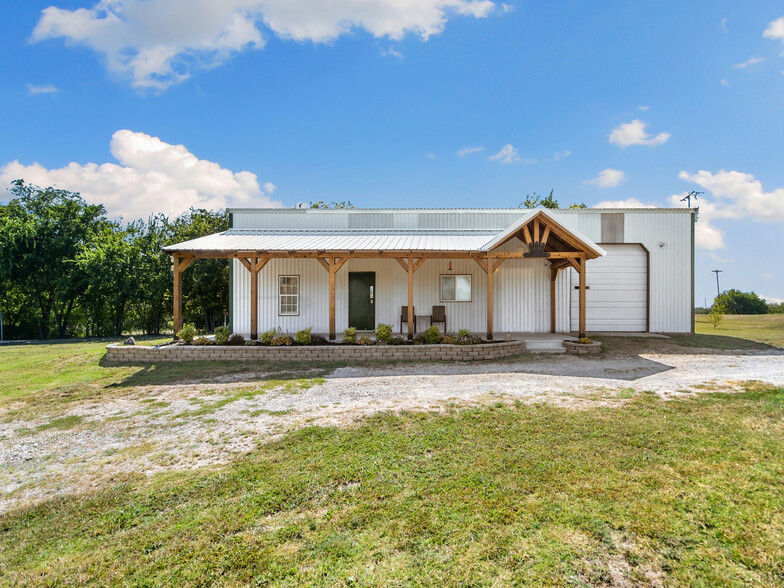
{"x": 456, "y": 288}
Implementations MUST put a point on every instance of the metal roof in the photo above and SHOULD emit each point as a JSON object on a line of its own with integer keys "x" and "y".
{"x": 248, "y": 240}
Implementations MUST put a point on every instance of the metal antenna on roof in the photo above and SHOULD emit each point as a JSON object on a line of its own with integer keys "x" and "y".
{"x": 689, "y": 196}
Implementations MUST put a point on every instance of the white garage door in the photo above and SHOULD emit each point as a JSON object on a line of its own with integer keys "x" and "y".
{"x": 617, "y": 296}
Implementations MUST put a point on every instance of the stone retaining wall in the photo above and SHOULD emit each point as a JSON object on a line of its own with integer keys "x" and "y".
{"x": 574, "y": 348}
{"x": 117, "y": 353}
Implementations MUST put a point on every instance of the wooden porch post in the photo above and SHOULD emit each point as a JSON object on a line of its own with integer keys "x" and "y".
{"x": 490, "y": 272}
{"x": 332, "y": 334}
{"x": 177, "y": 298}
{"x": 411, "y": 317}
{"x": 254, "y": 299}
{"x": 553, "y": 277}
{"x": 582, "y": 294}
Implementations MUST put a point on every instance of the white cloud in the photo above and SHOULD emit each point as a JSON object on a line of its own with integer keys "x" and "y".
{"x": 771, "y": 299}
{"x": 775, "y": 30}
{"x": 608, "y": 178}
{"x": 505, "y": 8}
{"x": 633, "y": 133}
{"x": 469, "y": 150}
{"x": 628, "y": 203}
{"x": 748, "y": 62}
{"x": 392, "y": 52}
{"x": 768, "y": 276}
{"x": 507, "y": 155}
{"x": 561, "y": 155}
{"x": 736, "y": 196}
{"x": 430, "y": 156}
{"x": 34, "y": 90}
{"x": 724, "y": 82}
{"x": 723, "y": 25}
{"x": 151, "y": 176}
{"x": 644, "y": 108}
{"x": 156, "y": 43}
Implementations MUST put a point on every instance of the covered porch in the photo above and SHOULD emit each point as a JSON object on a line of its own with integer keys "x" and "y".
{"x": 536, "y": 238}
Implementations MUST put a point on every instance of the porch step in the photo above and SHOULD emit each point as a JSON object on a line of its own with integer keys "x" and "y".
{"x": 544, "y": 346}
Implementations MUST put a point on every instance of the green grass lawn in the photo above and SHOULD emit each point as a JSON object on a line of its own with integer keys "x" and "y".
{"x": 685, "y": 492}
{"x": 764, "y": 328}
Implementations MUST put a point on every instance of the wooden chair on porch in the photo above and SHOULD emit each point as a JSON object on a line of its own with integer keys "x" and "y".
{"x": 438, "y": 316}
{"x": 404, "y": 317}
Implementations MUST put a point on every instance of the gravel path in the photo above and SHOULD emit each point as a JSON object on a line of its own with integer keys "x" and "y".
{"x": 185, "y": 426}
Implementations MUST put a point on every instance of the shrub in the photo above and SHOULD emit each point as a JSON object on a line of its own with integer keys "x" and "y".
{"x": 250, "y": 343}
{"x": 304, "y": 337}
{"x": 365, "y": 340}
{"x": 350, "y": 336}
{"x": 318, "y": 340}
{"x": 383, "y": 333}
{"x": 236, "y": 339}
{"x": 222, "y": 335}
{"x": 398, "y": 341}
{"x": 266, "y": 338}
{"x": 419, "y": 339}
{"x": 202, "y": 341}
{"x": 449, "y": 340}
{"x": 281, "y": 341}
{"x": 464, "y": 337}
{"x": 716, "y": 314}
{"x": 187, "y": 333}
{"x": 584, "y": 341}
{"x": 432, "y": 335}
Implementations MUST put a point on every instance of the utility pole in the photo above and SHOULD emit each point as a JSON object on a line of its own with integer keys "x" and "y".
{"x": 718, "y": 290}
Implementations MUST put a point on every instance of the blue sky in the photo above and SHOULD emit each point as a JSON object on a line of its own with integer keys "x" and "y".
{"x": 163, "y": 104}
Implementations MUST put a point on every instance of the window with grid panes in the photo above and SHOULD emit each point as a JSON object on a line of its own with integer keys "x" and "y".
{"x": 288, "y": 295}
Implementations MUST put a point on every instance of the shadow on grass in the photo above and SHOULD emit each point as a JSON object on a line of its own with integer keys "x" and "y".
{"x": 686, "y": 345}
{"x": 219, "y": 371}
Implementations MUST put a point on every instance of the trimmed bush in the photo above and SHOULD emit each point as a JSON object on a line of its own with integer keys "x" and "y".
{"x": 365, "y": 340}
{"x": 350, "y": 336}
{"x": 383, "y": 333}
{"x": 281, "y": 341}
{"x": 432, "y": 335}
{"x": 222, "y": 335}
{"x": 419, "y": 339}
{"x": 202, "y": 341}
{"x": 464, "y": 337}
{"x": 318, "y": 340}
{"x": 304, "y": 337}
{"x": 266, "y": 338}
{"x": 187, "y": 333}
{"x": 236, "y": 339}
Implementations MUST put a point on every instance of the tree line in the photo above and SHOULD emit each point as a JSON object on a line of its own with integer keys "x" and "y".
{"x": 67, "y": 270}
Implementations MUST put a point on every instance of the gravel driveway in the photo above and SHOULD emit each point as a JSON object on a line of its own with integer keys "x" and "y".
{"x": 189, "y": 425}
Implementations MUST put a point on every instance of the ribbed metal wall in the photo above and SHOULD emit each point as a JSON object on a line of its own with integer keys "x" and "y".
{"x": 522, "y": 295}
{"x": 521, "y": 287}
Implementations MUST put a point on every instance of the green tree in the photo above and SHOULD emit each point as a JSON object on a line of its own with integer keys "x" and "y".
{"x": 549, "y": 201}
{"x": 205, "y": 282}
{"x": 716, "y": 314}
{"x": 152, "y": 306}
{"x": 343, "y": 204}
{"x": 737, "y": 302}
{"x": 41, "y": 233}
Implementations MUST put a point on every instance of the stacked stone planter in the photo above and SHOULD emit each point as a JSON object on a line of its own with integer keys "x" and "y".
{"x": 574, "y": 348}
{"x": 117, "y": 353}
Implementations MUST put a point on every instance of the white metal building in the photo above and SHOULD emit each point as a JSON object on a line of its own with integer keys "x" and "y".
{"x": 636, "y": 267}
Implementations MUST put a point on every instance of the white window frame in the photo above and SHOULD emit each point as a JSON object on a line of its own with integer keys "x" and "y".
{"x": 281, "y": 296}
{"x": 455, "y": 276}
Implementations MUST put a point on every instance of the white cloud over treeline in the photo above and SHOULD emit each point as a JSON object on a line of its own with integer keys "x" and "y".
{"x": 151, "y": 176}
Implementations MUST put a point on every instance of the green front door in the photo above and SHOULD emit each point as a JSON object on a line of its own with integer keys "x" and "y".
{"x": 362, "y": 300}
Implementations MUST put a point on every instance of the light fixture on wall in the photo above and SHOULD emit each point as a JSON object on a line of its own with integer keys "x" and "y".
{"x": 661, "y": 243}
{"x": 450, "y": 266}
